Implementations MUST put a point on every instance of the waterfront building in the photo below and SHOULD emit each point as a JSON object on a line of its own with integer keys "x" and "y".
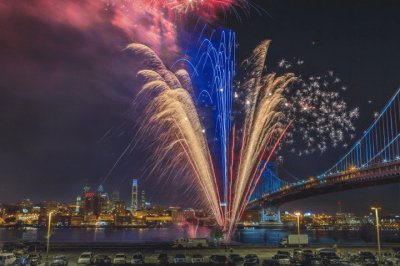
{"x": 120, "y": 207}
{"x": 134, "y": 200}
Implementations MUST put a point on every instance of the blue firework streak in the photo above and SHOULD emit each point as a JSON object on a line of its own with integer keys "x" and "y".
{"x": 213, "y": 68}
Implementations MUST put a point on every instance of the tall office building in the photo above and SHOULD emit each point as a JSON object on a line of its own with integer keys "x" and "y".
{"x": 143, "y": 200}
{"x": 115, "y": 196}
{"x": 134, "y": 202}
{"x": 78, "y": 204}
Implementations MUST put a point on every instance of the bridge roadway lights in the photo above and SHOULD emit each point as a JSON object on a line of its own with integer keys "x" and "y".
{"x": 270, "y": 215}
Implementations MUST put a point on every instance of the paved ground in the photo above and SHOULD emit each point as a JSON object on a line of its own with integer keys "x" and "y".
{"x": 151, "y": 255}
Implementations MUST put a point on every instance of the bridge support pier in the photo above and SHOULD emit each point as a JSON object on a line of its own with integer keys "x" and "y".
{"x": 270, "y": 215}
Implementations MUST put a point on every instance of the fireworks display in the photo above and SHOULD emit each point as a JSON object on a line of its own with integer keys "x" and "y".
{"x": 273, "y": 109}
{"x": 321, "y": 118}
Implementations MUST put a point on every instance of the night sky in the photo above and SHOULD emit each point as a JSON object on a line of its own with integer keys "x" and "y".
{"x": 67, "y": 84}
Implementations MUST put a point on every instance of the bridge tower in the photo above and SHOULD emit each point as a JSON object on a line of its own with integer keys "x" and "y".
{"x": 270, "y": 215}
{"x": 270, "y": 182}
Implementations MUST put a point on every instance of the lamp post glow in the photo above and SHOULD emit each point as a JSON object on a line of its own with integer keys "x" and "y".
{"x": 48, "y": 236}
{"x": 298, "y": 227}
{"x": 378, "y": 238}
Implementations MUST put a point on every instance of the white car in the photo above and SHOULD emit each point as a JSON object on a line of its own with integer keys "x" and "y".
{"x": 180, "y": 258}
{"x": 7, "y": 259}
{"x": 85, "y": 258}
{"x": 282, "y": 259}
{"x": 120, "y": 258}
{"x": 197, "y": 258}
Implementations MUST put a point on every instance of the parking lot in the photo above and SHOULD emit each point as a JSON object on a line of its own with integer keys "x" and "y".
{"x": 265, "y": 255}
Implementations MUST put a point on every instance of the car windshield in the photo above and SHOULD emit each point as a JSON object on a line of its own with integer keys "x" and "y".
{"x": 282, "y": 256}
{"x": 137, "y": 256}
{"x": 179, "y": 256}
{"x": 120, "y": 256}
{"x": 85, "y": 256}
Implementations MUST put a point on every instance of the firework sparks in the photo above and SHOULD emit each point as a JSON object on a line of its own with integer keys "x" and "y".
{"x": 172, "y": 115}
{"x": 272, "y": 109}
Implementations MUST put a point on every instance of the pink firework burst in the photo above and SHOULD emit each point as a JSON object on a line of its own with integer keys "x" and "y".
{"x": 205, "y": 8}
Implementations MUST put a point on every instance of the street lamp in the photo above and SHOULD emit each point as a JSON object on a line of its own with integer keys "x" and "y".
{"x": 298, "y": 227}
{"x": 48, "y": 236}
{"x": 378, "y": 238}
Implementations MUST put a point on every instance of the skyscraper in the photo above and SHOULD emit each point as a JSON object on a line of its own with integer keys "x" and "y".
{"x": 134, "y": 202}
{"x": 143, "y": 200}
{"x": 78, "y": 204}
{"x": 115, "y": 196}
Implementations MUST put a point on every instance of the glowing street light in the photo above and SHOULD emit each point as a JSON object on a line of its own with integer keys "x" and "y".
{"x": 378, "y": 238}
{"x": 298, "y": 227}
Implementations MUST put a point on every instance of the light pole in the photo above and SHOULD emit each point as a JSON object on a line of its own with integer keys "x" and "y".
{"x": 298, "y": 227}
{"x": 48, "y": 236}
{"x": 378, "y": 238}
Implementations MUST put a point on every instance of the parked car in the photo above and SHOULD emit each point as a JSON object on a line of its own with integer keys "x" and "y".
{"x": 283, "y": 252}
{"x": 251, "y": 258}
{"x": 7, "y": 259}
{"x": 102, "y": 260}
{"x": 120, "y": 258}
{"x": 59, "y": 260}
{"x": 367, "y": 257}
{"x": 35, "y": 258}
{"x": 218, "y": 260}
{"x": 137, "y": 258}
{"x": 235, "y": 259}
{"x": 180, "y": 258}
{"x": 269, "y": 263}
{"x": 163, "y": 259}
{"x": 85, "y": 258}
{"x": 20, "y": 249}
{"x": 8, "y": 247}
{"x": 282, "y": 259}
{"x": 315, "y": 261}
{"x": 330, "y": 258}
{"x": 22, "y": 261}
{"x": 197, "y": 258}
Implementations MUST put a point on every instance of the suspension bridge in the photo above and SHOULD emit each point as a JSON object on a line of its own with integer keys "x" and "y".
{"x": 373, "y": 160}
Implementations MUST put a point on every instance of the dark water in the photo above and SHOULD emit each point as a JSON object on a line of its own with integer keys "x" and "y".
{"x": 75, "y": 235}
{"x": 249, "y": 235}
{"x": 323, "y": 237}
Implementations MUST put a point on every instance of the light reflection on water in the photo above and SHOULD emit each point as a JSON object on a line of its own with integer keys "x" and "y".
{"x": 148, "y": 235}
{"x": 139, "y": 235}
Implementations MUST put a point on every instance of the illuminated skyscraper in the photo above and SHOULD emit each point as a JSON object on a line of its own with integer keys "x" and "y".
{"x": 143, "y": 200}
{"x": 134, "y": 202}
{"x": 78, "y": 204}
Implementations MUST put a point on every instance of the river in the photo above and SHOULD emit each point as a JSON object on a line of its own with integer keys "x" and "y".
{"x": 256, "y": 236}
